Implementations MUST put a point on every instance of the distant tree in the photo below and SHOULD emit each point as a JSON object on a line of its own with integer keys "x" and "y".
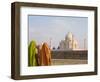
{"x": 54, "y": 48}
{"x": 58, "y": 47}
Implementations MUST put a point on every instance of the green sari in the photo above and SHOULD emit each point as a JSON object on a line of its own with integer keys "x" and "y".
{"x": 32, "y": 52}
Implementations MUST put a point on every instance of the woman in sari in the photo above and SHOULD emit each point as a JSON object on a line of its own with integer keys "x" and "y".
{"x": 38, "y": 56}
{"x": 45, "y": 55}
{"x": 32, "y": 54}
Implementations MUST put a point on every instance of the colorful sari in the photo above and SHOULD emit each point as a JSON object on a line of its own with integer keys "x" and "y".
{"x": 32, "y": 52}
{"x": 45, "y": 55}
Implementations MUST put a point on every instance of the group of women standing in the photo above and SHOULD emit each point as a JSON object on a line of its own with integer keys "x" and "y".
{"x": 39, "y": 55}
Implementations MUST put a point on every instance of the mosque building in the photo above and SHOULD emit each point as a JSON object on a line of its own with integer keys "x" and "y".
{"x": 70, "y": 43}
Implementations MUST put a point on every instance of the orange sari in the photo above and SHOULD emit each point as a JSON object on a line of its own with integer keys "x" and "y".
{"x": 45, "y": 55}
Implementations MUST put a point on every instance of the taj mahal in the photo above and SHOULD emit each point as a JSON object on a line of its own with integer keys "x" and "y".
{"x": 70, "y": 43}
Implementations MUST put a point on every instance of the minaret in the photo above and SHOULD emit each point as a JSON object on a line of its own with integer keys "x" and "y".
{"x": 50, "y": 42}
{"x": 84, "y": 43}
{"x": 72, "y": 42}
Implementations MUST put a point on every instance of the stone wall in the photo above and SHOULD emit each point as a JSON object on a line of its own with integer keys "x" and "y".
{"x": 57, "y": 54}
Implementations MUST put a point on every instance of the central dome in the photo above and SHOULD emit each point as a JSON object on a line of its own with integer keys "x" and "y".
{"x": 69, "y": 36}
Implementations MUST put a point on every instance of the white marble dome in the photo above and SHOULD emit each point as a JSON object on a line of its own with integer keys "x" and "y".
{"x": 69, "y": 36}
{"x": 70, "y": 43}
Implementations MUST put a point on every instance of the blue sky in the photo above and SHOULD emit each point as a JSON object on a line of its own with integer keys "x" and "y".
{"x": 55, "y": 28}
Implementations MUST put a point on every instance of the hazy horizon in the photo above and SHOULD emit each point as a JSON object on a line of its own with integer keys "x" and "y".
{"x": 54, "y": 28}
